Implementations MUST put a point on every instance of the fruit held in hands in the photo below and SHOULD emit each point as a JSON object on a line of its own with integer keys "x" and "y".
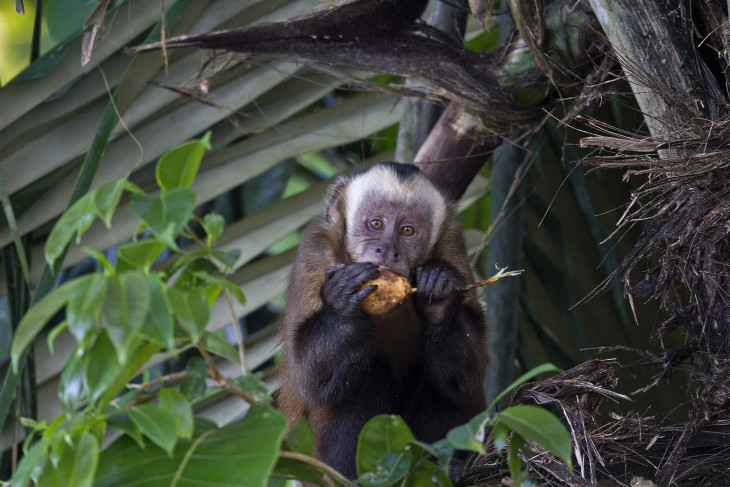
{"x": 392, "y": 290}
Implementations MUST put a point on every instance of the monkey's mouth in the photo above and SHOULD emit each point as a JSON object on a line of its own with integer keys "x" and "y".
{"x": 409, "y": 275}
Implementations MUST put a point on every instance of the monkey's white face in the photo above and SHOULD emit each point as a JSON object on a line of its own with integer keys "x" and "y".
{"x": 390, "y": 234}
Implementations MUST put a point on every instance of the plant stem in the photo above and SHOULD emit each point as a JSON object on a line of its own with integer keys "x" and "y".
{"x": 316, "y": 463}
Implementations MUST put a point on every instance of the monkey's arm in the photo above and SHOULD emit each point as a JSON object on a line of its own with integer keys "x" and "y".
{"x": 453, "y": 356}
{"x": 333, "y": 349}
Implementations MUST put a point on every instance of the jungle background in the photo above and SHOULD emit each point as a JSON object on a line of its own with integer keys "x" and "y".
{"x": 585, "y": 140}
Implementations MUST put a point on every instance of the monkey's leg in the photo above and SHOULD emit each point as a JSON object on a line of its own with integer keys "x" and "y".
{"x": 337, "y": 427}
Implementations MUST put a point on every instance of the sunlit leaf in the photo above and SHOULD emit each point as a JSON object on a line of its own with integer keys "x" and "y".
{"x": 178, "y": 166}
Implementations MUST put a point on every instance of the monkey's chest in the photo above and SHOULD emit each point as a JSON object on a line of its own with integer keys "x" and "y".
{"x": 397, "y": 339}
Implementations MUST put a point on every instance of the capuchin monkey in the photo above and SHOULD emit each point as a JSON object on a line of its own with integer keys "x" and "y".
{"x": 423, "y": 360}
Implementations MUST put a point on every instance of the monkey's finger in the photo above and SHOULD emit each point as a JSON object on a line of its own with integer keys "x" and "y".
{"x": 358, "y": 274}
{"x": 365, "y": 292}
{"x": 435, "y": 282}
{"x": 332, "y": 270}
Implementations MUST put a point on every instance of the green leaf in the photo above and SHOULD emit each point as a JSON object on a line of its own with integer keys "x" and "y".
{"x": 241, "y": 453}
{"x": 500, "y": 433}
{"x": 300, "y": 438}
{"x": 99, "y": 257}
{"x": 125, "y": 310}
{"x": 390, "y": 469}
{"x": 130, "y": 368}
{"x": 107, "y": 197}
{"x": 77, "y": 466}
{"x": 441, "y": 450}
{"x": 193, "y": 384}
{"x": 28, "y": 468}
{"x": 142, "y": 253}
{"x": 225, "y": 284}
{"x": 159, "y": 325}
{"x": 76, "y": 220}
{"x": 469, "y": 436}
{"x": 218, "y": 345}
{"x": 151, "y": 210}
{"x": 178, "y": 166}
{"x": 165, "y": 216}
{"x": 252, "y": 383}
{"x": 540, "y": 369}
{"x": 213, "y": 223}
{"x": 85, "y": 304}
{"x": 122, "y": 422}
{"x": 227, "y": 258}
{"x": 191, "y": 309}
{"x": 101, "y": 368}
{"x": 155, "y": 423}
{"x": 53, "y": 334}
{"x": 514, "y": 462}
{"x": 71, "y": 391}
{"x": 179, "y": 408}
{"x": 380, "y": 436}
{"x": 37, "y": 316}
{"x": 179, "y": 206}
{"x": 428, "y": 474}
{"x": 539, "y": 426}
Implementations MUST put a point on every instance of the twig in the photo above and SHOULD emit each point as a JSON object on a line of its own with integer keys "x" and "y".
{"x": 239, "y": 337}
{"x": 216, "y": 374}
{"x": 316, "y": 463}
{"x": 164, "y": 378}
{"x": 499, "y": 275}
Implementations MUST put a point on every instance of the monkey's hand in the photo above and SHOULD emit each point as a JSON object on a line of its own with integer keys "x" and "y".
{"x": 341, "y": 291}
{"x": 436, "y": 281}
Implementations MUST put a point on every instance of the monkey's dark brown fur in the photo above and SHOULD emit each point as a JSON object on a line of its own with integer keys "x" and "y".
{"x": 424, "y": 360}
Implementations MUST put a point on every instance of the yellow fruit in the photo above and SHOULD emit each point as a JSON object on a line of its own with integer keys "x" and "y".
{"x": 392, "y": 290}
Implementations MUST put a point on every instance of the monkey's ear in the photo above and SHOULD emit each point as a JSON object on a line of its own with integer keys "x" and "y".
{"x": 334, "y": 210}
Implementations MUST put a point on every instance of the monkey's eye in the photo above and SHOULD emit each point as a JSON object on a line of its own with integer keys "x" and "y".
{"x": 407, "y": 230}
{"x": 376, "y": 224}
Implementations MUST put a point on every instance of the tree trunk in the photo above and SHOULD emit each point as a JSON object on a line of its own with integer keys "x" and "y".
{"x": 652, "y": 40}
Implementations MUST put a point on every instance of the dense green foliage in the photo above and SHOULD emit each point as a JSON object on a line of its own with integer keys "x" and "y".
{"x": 123, "y": 315}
